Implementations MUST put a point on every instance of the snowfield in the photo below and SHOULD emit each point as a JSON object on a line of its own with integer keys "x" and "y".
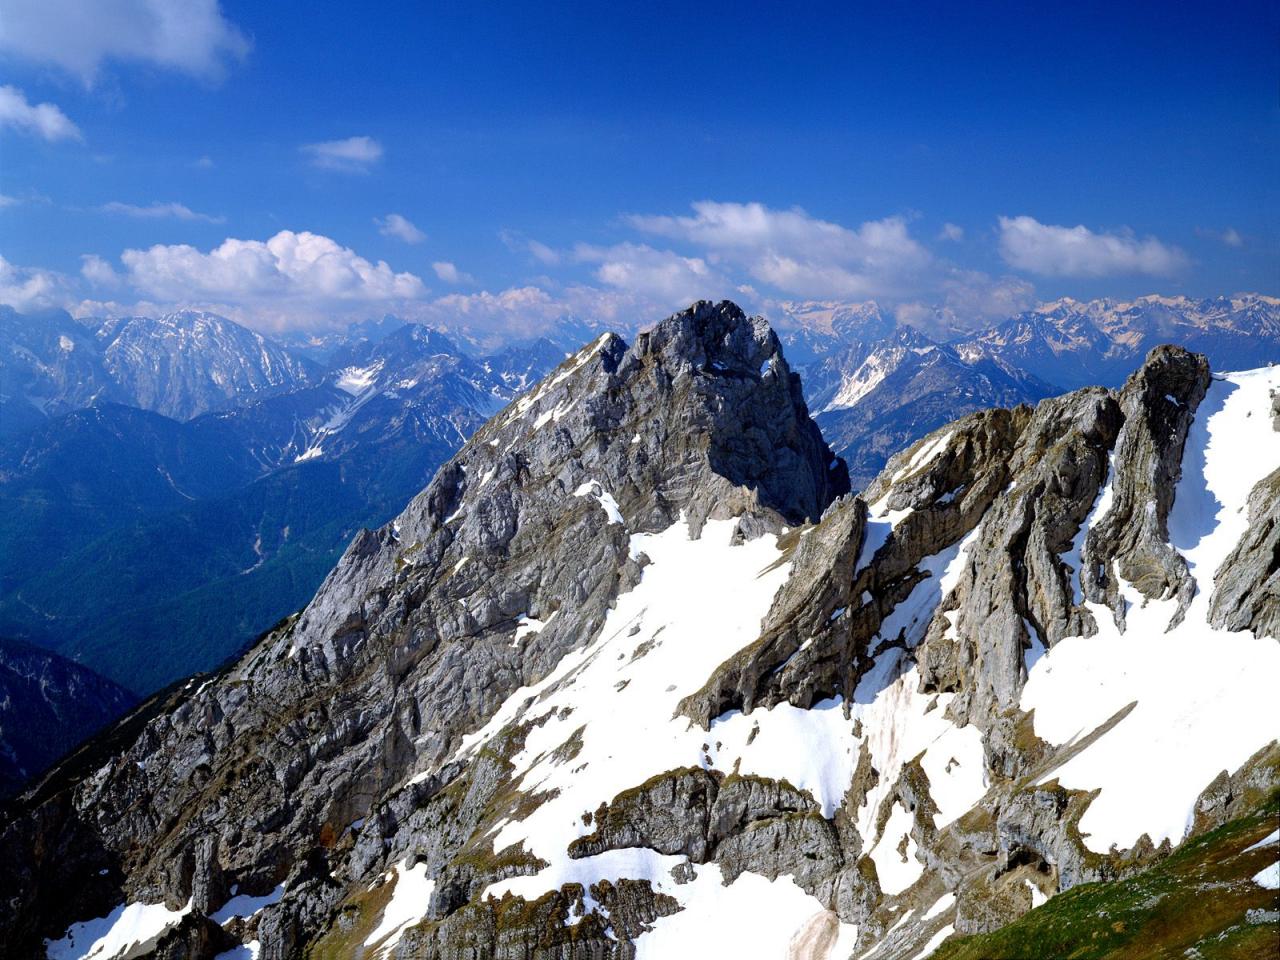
{"x": 699, "y": 602}
{"x": 1206, "y": 698}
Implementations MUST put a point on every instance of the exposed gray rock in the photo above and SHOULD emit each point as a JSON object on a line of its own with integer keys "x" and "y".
{"x": 1015, "y": 592}
{"x": 1246, "y": 588}
{"x": 1132, "y": 538}
{"x": 670, "y": 813}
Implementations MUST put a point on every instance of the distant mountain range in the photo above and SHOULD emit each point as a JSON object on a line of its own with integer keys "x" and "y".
{"x": 172, "y": 486}
{"x": 47, "y": 706}
{"x": 181, "y": 365}
{"x": 149, "y": 547}
{"x": 875, "y": 385}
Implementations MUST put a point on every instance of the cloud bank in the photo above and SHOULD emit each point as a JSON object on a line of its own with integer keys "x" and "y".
{"x": 293, "y": 279}
{"x": 796, "y": 253}
{"x": 1055, "y": 251}
{"x": 158, "y": 211}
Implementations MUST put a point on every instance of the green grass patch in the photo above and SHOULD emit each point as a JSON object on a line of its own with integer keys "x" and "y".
{"x": 1199, "y": 903}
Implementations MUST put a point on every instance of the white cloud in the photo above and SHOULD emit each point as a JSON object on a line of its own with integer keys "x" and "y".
{"x": 796, "y": 253}
{"x": 662, "y": 275}
{"x": 8, "y": 201}
{"x": 204, "y": 163}
{"x": 98, "y": 271}
{"x": 1057, "y": 251}
{"x": 449, "y": 273}
{"x": 542, "y": 253}
{"x": 31, "y": 288}
{"x": 43, "y": 120}
{"x": 192, "y": 37}
{"x": 352, "y": 155}
{"x": 158, "y": 211}
{"x": 291, "y": 279}
{"x": 518, "y": 243}
{"x": 394, "y": 225}
{"x": 1231, "y": 237}
{"x": 952, "y": 232}
{"x": 527, "y": 311}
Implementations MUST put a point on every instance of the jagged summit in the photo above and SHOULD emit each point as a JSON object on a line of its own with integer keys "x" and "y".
{"x": 635, "y": 675}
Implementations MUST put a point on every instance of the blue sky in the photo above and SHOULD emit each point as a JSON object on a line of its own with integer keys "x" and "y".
{"x": 620, "y": 159}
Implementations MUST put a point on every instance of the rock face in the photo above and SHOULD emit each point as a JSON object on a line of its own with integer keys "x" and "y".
{"x": 1131, "y": 539}
{"x": 636, "y": 661}
{"x": 1246, "y": 593}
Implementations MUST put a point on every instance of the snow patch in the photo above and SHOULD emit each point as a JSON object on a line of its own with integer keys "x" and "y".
{"x": 248, "y": 951}
{"x": 129, "y": 930}
{"x": 934, "y": 942}
{"x": 246, "y": 905}
{"x": 408, "y": 905}
{"x": 527, "y": 626}
{"x": 356, "y": 380}
{"x": 593, "y": 489}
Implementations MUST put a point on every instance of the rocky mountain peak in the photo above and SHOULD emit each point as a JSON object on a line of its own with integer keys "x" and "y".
{"x": 475, "y": 740}
{"x": 700, "y": 419}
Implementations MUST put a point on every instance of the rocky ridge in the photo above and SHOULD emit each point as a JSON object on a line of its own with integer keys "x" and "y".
{"x": 360, "y": 773}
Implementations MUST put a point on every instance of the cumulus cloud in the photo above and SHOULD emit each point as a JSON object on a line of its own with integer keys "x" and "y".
{"x": 394, "y": 225}
{"x": 98, "y": 271}
{"x": 795, "y": 252}
{"x": 43, "y": 120}
{"x": 952, "y": 232}
{"x": 193, "y": 37}
{"x": 662, "y": 275}
{"x": 158, "y": 211}
{"x": 449, "y": 273}
{"x": 31, "y": 288}
{"x": 352, "y": 155}
{"x": 299, "y": 278}
{"x": 1056, "y": 251}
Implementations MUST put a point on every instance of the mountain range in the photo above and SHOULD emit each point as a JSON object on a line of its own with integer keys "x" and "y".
{"x": 876, "y": 385}
{"x": 637, "y": 674}
{"x": 149, "y": 547}
{"x": 171, "y": 487}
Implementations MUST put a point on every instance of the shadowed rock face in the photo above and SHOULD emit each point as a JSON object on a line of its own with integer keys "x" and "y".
{"x": 330, "y": 752}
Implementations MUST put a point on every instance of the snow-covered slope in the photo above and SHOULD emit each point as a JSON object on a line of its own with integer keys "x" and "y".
{"x": 1205, "y": 698}
{"x": 603, "y": 692}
